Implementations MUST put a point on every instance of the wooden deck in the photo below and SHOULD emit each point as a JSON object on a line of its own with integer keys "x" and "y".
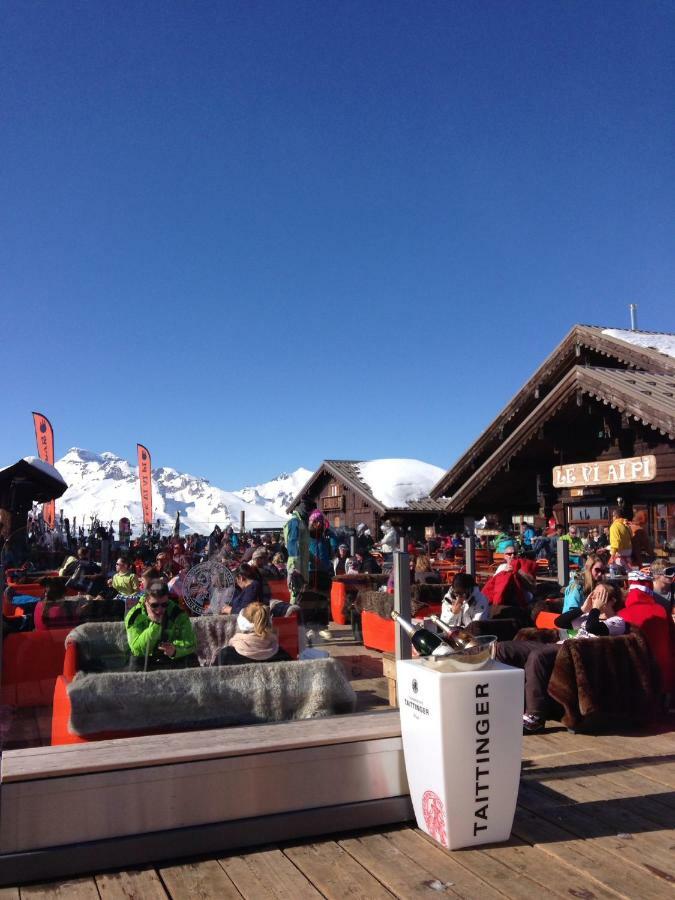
{"x": 595, "y": 819}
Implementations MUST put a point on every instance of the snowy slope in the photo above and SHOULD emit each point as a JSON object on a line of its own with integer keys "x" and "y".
{"x": 278, "y": 493}
{"x": 106, "y": 486}
{"x": 396, "y": 481}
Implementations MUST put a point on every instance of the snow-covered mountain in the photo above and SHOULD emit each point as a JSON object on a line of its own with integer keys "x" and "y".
{"x": 276, "y": 495}
{"x": 106, "y": 486}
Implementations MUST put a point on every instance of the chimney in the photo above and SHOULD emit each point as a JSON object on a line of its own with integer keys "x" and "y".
{"x": 633, "y": 316}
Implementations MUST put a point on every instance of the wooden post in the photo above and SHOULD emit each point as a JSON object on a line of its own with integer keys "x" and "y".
{"x": 105, "y": 556}
{"x": 563, "y": 554}
{"x": 402, "y": 601}
{"x": 470, "y": 555}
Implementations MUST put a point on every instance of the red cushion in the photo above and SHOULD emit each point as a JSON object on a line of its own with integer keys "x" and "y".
{"x": 338, "y": 601}
{"x": 378, "y": 633}
{"x": 31, "y": 662}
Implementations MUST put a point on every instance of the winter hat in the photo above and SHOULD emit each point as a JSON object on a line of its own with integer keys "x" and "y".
{"x": 640, "y": 588}
{"x": 640, "y": 581}
{"x": 316, "y": 517}
{"x": 343, "y": 547}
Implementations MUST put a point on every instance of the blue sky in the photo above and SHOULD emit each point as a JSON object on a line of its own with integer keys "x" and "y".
{"x": 253, "y": 235}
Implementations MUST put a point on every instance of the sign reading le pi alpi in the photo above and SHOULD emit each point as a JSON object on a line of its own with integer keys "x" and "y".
{"x": 613, "y": 471}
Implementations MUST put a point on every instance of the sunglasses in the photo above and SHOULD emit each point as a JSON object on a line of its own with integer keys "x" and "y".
{"x": 158, "y": 605}
{"x": 509, "y": 553}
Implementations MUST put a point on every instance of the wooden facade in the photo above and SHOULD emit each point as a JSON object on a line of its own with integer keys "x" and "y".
{"x": 596, "y": 398}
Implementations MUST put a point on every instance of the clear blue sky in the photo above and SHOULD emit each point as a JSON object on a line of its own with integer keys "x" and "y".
{"x": 253, "y": 235}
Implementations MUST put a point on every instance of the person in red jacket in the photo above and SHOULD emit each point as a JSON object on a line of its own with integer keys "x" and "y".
{"x": 645, "y": 613}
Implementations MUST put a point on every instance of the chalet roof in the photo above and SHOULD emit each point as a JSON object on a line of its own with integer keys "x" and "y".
{"x": 645, "y": 397}
{"x": 616, "y": 348}
{"x": 347, "y": 471}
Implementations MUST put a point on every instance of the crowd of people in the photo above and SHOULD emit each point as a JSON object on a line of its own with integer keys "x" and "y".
{"x": 150, "y": 575}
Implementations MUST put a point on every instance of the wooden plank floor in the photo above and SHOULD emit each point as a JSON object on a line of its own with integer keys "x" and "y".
{"x": 595, "y": 819}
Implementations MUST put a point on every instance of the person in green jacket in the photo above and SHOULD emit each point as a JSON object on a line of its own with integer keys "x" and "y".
{"x": 159, "y": 633}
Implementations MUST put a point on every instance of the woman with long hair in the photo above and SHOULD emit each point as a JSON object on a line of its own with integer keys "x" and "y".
{"x": 255, "y": 640}
{"x": 583, "y": 584}
{"x": 424, "y": 573}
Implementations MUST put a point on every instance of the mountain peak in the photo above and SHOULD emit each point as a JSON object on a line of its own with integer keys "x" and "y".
{"x": 106, "y": 486}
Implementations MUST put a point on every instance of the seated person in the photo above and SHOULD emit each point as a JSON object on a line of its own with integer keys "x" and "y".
{"x": 596, "y": 618}
{"x": 124, "y": 581}
{"x": 580, "y": 586}
{"x": 362, "y": 563}
{"x": 166, "y": 567}
{"x": 68, "y": 566}
{"x": 575, "y": 542}
{"x": 159, "y": 633}
{"x": 83, "y": 578}
{"x": 464, "y": 602}
{"x": 248, "y": 589}
{"x": 255, "y": 640}
{"x": 340, "y": 561}
{"x": 279, "y": 563}
{"x": 424, "y": 574}
{"x": 663, "y": 577}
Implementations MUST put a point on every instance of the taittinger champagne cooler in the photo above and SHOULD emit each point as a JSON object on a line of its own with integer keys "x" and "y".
{"x": 462, "y": 740}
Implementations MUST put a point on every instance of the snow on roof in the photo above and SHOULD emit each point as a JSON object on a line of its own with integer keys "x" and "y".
{"x": 52, "y": 471}
{"x": 664, "y": 343}
{"x": 394, "y": 482}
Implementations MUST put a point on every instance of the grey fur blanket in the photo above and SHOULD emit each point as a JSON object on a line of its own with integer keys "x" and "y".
{"x": 103, "y": 647}
{"x": 211, "y": 697}
{"x": 420, "y": 594}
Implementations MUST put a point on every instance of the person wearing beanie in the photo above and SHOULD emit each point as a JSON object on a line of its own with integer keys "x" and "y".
{"x": 642, "y": 611}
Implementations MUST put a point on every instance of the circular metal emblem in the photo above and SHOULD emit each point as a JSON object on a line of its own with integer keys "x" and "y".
{"x": 414, "y": 686}
{"x": 205, "y": 584}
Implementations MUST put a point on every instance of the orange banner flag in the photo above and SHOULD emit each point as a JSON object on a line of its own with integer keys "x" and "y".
{"x": 44, "y": 435}
{"x": 145, "y": 478}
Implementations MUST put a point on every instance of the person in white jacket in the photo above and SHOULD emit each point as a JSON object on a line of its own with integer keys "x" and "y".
{"x": 463, "y": 603}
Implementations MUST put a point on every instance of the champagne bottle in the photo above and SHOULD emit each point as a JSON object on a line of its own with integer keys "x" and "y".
{"x": 424, "y": 641}
{"x": 457, "y": 638}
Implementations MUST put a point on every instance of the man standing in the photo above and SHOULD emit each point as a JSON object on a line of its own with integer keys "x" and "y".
{"x": 296, "y": 537}
{"x": 620, "y": 539}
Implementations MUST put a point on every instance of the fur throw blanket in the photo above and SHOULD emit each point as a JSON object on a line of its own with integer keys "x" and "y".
{"x": 420, "y": 595}
{"x": 207, "y": 698}
{"x": 543, "y": 635}
{"x": 604, "y": 680}
{"x": 103, "y": 647}
{"x": 72, "y": 611}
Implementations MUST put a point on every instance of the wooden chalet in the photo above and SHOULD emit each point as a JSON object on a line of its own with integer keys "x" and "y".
{"x": 593, "y": 429}
{"x": 343, "y": 496}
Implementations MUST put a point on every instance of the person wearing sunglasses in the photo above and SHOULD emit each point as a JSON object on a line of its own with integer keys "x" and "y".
{"x": 159, "y": 633}
{"x": 463, "y": 603}
{"x": 580, "y": 587}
